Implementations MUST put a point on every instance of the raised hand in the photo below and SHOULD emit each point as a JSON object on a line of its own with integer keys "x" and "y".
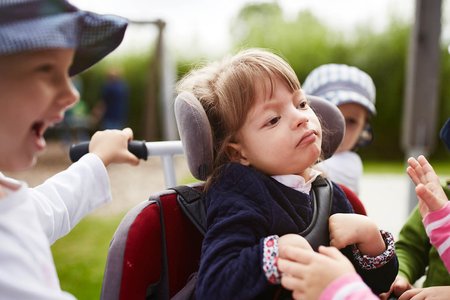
{"x": 428, "y": 187}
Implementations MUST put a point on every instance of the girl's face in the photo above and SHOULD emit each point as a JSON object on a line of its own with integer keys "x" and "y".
{"x": 355, "y": 118}
{"x": 35, "y": 91}
{"x": 280, "y": 135}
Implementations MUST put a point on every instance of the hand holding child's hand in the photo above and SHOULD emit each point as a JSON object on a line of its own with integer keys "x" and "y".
{"x": 348, "y": 229}
{"x": 293, "y": 240}
{"x": 112, "y": 146}
{"x": 308, "y": 273}
{"x": 428, "y": 187}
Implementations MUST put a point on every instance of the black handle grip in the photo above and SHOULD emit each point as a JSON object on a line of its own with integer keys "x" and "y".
{"x": 138, "y": 148}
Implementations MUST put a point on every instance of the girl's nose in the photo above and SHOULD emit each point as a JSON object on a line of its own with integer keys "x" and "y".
{"x": 300, "y": 118}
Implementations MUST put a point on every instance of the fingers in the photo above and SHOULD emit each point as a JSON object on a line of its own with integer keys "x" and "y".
{"x": 294, "y": 240}
{"x": 409, "y": 294}
{"x": 400, "y": 285}
{"x": 421, "y": 171}
{"x": 415, "y": 171}
{"x": 296, "y": 254}
{"x": 130, "y": 158}
{"x": 331, "y": 252}
{"x": 428, "y": 198}
{"x": 292, "y": 282}
{"x": 128, "y": 132}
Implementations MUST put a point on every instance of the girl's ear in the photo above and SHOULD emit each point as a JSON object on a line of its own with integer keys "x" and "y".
{"x": 235, "y": 154}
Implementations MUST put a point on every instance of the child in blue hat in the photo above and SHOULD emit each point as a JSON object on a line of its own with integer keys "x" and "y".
{"x": 353, "y": 92}
{"x": 42, "y": 44}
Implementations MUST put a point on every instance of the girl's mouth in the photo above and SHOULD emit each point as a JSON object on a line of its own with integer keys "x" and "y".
{"x": 308, "y": 137}
{"x": 38, "y": 128}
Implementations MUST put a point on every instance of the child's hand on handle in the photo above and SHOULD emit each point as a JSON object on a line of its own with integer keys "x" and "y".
{"x": 112, "y": 146}
{"x": 308, "y": 273}
{"x": 428, "y": 187}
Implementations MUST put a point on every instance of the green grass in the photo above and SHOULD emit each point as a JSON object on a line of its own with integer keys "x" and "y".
{"x": 80, "y": 256}
{"x": 398, "y": 167}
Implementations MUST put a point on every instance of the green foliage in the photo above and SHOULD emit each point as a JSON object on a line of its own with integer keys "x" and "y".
{"x": 305, "y": 42}
{"x": 134, "y": 70}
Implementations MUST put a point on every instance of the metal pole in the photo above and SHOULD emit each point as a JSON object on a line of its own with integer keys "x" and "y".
{"x": 422, "y": 81}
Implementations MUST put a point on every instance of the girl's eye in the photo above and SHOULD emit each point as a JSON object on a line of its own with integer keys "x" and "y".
{"x": 302, "y": 105}
{"x": 273, "y": 121}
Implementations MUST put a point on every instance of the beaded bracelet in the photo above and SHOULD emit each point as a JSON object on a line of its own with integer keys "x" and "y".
{"x": 368, "y": 262}
{"x": 270, "y": 255}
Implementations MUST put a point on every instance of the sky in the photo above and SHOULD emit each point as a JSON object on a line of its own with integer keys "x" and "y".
{"x": 202, "y": 26}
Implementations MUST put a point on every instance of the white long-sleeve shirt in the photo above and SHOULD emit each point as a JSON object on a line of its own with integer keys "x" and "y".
{"x": 31, "y": 219}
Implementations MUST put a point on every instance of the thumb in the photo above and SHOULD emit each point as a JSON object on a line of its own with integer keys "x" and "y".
{"x": 428, "y": 198}
{"x": 131, "y": 159}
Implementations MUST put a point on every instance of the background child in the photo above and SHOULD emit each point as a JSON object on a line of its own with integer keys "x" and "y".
{"x": 266, "y": 137}
{"x": 353, "y": 91}
{"x": 41, "y": 43}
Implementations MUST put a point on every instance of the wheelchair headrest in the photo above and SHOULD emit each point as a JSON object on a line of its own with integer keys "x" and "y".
{"x": 196, "y": 136}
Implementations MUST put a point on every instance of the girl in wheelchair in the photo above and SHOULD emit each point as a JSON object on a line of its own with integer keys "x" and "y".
{"x": 267, "y": 139}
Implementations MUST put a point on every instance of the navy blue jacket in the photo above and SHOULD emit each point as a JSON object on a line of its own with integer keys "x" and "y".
{"x": 245, "y": 206}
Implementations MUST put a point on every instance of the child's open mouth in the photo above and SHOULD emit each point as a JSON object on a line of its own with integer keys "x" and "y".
{"x": 38, "y": 129}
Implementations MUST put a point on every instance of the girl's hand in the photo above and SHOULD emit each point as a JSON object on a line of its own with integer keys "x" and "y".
{"x": 293, "y": 240}
{"x": 434, "y": 292}
{"x": 308, "y": 273}
{"x": 348, "y": 229}
{"x": 112, "y": 146}
{"x": 428, "y": 187}
{"x": 398, "y": 287}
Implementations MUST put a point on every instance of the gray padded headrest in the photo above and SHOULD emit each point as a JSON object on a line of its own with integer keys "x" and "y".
{"x": 196, "y": 136}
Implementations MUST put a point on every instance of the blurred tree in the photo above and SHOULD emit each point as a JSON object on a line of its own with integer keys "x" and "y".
{"x": 305, "y": 42}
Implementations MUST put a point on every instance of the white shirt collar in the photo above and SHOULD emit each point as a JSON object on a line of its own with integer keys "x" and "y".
{"x": 297, "y": 182}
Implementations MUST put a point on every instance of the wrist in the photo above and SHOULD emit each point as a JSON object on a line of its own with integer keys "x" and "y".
{"x": 270, "y": 257}
{"x": 373, "y": 245}
{"x": 373, "y": 262}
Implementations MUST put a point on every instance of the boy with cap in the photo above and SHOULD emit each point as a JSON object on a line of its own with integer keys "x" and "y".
{"x": 42, "y": 44}
{"x": 353, "y": 91}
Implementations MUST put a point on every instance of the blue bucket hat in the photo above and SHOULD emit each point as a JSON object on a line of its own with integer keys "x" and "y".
{"x": 28, "y": 25}
{"x": 339, "y": 84}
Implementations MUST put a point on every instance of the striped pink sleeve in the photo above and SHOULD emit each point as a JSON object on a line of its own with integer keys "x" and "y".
{"x": 437, "y": 226}
{"x": 348, "y": 287}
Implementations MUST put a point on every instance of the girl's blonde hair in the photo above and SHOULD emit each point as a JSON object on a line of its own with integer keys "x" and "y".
{"x": 227, "y": 89}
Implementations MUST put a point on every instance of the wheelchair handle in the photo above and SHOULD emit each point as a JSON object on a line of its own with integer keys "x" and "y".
{"x": 138, "y": 148}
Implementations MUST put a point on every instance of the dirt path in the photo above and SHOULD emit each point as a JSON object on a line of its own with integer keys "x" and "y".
{"x": 130, "y": 185}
